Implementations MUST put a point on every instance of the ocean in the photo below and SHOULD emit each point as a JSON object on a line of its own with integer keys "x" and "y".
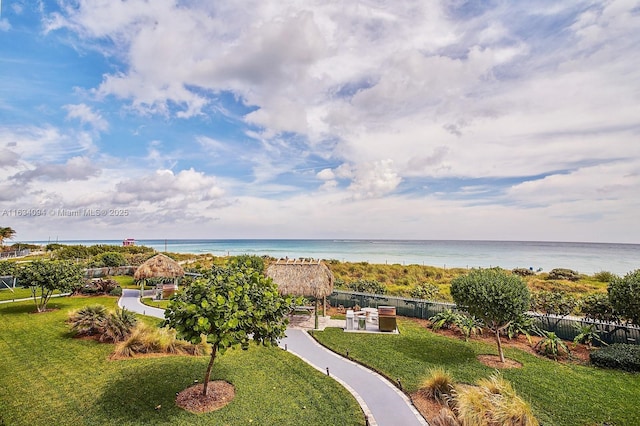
{"x": 586, "y": 258}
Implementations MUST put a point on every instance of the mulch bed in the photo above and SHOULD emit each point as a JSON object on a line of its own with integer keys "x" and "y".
{"x": 219, "y": 394}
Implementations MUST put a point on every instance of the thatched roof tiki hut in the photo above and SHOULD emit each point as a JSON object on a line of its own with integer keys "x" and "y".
{"x": 162, "y": 269}
{"x": 302, "y": 278}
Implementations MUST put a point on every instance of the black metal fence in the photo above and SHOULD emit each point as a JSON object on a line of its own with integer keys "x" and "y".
{"x": 565, "y": 328}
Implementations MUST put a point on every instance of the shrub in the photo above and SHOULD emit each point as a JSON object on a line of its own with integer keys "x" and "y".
{"x": 469, "y": 326}
{"x": 552, "y": 346}
{"x": 605, "y": 276}
{"x": 523, "y": 272}
{"x": 444, "y": 319}
{"x": 523, "y": 324}
{"x": 116, "y": 291}
{"x": 7, "y": 268}
{"x": 587, "y": 334}
{"x": 563, "y": 274}
{"x": 598, "y": 307}
{"x": 438, "y": 385}
{"x": 624, "y": 294}
{"x": 367, "y": 286}
{"x": 620, "y": 356}
{"x": 108, "y": 259}
{"x": 553, "y": 303}
{"x": 426, "y": 291}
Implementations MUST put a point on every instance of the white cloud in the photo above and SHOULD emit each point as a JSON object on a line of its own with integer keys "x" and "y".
{"x": 374, "y": 180}
{"x": 86, "y": 115}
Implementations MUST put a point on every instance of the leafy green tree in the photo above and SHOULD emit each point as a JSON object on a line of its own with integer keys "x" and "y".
{"x": 624, "y": 294}
{"x": 44, "y": 277}
{"x": 234, "y": 306}
{"x": 494, "y": 296}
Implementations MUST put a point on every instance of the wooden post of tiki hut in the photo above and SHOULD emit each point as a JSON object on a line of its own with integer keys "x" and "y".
{"x": 302, "y": 278}
{"x": 162, "y": 267}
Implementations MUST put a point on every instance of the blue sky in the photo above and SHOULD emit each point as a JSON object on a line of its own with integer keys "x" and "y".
{"x": 498, "y": 120}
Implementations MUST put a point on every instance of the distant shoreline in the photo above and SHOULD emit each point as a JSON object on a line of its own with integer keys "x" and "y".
{"x": 586, "y": 258}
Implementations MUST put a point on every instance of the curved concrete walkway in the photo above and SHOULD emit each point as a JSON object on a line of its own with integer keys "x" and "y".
{"x": 381, "y": 401}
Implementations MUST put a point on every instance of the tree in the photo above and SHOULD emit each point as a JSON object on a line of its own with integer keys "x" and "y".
{"x": 624, "y": 294}
{"x": 6, "y": 233}
{"x": 494, "y": 296}
{"x": 235, "y": 305}
{"x": 45, "y": 277}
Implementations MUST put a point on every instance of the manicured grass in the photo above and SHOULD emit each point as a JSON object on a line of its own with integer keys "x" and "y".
{"x": 48, "y": 377}
{"x": 162, "y": 304}
{"x": 18, "y": 293}
{"x": 125, "y": 281}
{"x": 561, "y": 394}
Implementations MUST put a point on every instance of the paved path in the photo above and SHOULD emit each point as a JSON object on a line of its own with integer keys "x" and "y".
{"x": 131, "y": 300}
{"x": 381, "y": 401}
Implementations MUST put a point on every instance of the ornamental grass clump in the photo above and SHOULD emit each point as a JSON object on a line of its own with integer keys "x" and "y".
{"x": 145, "y": 339}
{"x": 438, "y": 385}
{"x": 493, "y": 402}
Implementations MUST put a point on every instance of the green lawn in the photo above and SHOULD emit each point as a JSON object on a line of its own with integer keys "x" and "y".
{"x": 49, "y": 378}
{"x": 560, "y": 394}
{"x": 162, "y": 304}
{"x": 18, "y": 293}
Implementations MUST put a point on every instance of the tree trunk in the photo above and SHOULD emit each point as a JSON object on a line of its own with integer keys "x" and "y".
{"x": 205, "y": 385}
{"x": 499, "y": 345}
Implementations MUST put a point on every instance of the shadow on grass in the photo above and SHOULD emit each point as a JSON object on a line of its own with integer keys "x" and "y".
{"x": 143, "y": 385}
{"x": 18, "y": 308}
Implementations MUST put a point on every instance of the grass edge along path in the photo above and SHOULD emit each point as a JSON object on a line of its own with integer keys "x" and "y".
{"x": 560, "y": 394}
{"x": 56, "y": 379}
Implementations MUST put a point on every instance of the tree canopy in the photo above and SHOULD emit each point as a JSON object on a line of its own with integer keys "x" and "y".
{"x": 44, "y": 277}
{"x": 494, "y": 296}
{"x": 624, "y": 294}
{"x": 233, "y": 306}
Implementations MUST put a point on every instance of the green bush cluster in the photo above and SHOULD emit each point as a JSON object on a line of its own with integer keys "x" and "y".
{"x": 367, "y": 286}
{"x": 73, "y": 252}
{"x": 620, "y": 356}
{"x": 523, "y": 272}
{"x": 563, "y": 274}
{"x": 108, "y": 259}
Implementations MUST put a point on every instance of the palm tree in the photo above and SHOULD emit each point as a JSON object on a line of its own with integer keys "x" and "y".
{"x": 6, "y": 234}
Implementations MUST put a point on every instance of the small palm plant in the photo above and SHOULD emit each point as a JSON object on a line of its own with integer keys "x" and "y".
{"x": 116, "y": 326}
{"x": 444, "y": 319}
{"x": 587, "y": 334}
{"x": 469, "y": 325}
{"x": 552, "y": 346}
{"x": 87, "y": 321}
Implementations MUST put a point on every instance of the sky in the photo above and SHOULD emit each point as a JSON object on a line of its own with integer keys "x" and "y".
{"x": 373, "y": 119}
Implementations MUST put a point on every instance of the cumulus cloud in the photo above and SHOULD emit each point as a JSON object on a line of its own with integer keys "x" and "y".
{"x": 86, "y": 115}
{"x": 374, "y": 180}
{"x": 76, "y": 168}
{"x": 163, "y": 185}
{"x": 542, "y": 98}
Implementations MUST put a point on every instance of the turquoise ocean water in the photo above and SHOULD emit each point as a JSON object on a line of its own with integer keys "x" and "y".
{"x": 586, "y": 258}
